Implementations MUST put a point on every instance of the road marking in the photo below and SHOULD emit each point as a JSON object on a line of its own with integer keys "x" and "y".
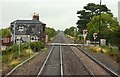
{"x": 63, "y": 44}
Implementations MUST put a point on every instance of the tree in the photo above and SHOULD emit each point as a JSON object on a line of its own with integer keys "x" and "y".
{"x": 50, "y": 32}
{"x": 108, "y": 27}
{"x": 0, "y": 32}
{"x": 84, "y": 19}
{"x": 66, "y": 31}
{"x": 115, "y": 37}
{"x": 70, "y": 31}
{"x": 88, "y": 12}
{"x": 92, "y": 9}
{"x": 5, "y": 32}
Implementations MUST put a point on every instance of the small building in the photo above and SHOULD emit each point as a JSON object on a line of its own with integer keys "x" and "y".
{"x": 28, "y": 30}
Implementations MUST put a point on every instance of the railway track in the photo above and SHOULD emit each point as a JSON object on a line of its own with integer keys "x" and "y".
{"x": 53, "y": 64}
{"x": 70, "y": 60}
{"x": 85, "y": 66}
{"x": 105, "y": 68}
{"x": 109, "y": 71}
{"x": 66, "y": 63}
{"x": 78, "y": 67}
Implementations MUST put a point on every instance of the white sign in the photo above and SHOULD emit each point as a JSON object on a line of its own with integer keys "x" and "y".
{"x": 95, "y": 35}
{"x": 103, "y": 41}
{"x": 84, "y": 35}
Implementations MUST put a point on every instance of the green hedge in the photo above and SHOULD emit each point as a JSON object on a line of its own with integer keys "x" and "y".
{"x": 35, "y": 46}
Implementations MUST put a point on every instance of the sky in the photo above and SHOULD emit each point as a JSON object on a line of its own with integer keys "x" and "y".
{"x": 58, "y": 14}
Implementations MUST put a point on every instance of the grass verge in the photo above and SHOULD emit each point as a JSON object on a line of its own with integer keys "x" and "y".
{"x": 11, "y": 56}
{"x": 113, "y": 52}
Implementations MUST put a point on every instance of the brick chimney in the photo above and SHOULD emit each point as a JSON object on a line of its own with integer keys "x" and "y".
{"x": 36, "y": 16}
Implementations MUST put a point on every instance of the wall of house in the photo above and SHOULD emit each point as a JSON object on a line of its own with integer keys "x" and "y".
{"x": 28, "y": 29}
{"x": 23, "y": 32}
{"x": 26, "y": 38}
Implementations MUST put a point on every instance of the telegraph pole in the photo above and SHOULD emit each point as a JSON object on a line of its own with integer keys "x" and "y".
{"x": 100, "y": 23}
{"x": 14, "y": 31}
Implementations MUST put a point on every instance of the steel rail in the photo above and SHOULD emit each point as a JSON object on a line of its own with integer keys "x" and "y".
{"x": 112, "y": 73}
{"x": 61, "y": 62}
{"x": 45, "y": 62}
{"x": 86, "y": 67}
{"x": 39, "y": 73}
{"x": 9, "y": 73}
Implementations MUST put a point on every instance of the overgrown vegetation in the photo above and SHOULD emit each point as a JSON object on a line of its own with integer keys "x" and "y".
{"x": 110, "y": 29}
{"x": 36, "y": 46}
{"x": 113, "y": 52}
{"x": 89, "y": 19}
{"x": 73, "y": 33}
{"x": 70, "y": 31}
{"x": 50, "y": 32}
{"x": 11, "y": 56}
{"x": 5, "y": 32}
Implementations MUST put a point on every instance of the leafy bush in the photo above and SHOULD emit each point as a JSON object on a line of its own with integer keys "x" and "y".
{"x": 70, "y": 31}
{"x": 11, "y": 49}
{"x": 25, "y": 46}
{"x": 36, "y": 46}
{"x": 50, "y": 32}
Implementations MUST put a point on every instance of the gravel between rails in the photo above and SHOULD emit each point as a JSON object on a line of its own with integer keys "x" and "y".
{"x": 71, "y": 64}
{"x": 52, "y": 66}
{"x": 103, "y": 58}
{"x": 94, "y": 67}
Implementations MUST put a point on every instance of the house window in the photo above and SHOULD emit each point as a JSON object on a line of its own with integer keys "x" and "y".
{"x": 32, "y": 38}
{"x": 21, "y": 28}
